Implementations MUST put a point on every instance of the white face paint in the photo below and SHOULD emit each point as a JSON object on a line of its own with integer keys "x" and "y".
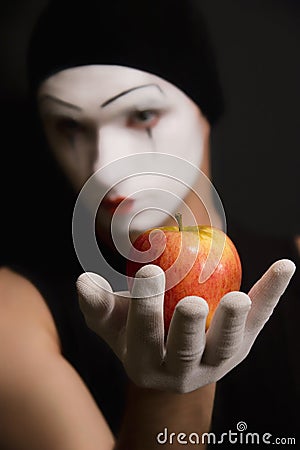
{"x": 95, "y": 115}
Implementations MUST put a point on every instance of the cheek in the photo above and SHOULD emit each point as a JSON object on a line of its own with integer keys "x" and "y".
{"x": 181, "y": 134}
{"x": 75, "y": 156}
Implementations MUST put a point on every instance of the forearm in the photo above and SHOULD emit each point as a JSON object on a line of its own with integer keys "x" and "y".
{"x": 150, "y": 412}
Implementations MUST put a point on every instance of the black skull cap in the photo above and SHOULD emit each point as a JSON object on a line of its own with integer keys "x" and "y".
{"x": 167, "y": 38}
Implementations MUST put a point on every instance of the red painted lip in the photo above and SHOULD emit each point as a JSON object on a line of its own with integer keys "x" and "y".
{"x": 111, "y": 205}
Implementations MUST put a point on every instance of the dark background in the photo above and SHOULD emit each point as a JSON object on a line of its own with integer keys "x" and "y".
{"x": 255, "y": 147}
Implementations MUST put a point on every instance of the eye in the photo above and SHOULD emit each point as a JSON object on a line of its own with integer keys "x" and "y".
{"x": 67, "y": 125}
{"x": 143, "y": 119}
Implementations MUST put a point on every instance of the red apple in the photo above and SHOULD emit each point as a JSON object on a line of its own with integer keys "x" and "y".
{"x": 183, "y": 255}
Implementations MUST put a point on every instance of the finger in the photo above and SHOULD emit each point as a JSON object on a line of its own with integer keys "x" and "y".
{"x": 226, "y": 331}
{"x": 266, "y": 293}
{"x": 99, "y": 305}
{"x": 186, "y": 336}
{"x": 145, "y": 328}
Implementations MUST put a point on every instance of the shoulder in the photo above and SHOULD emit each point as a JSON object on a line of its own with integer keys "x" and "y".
{"x": 39, "y": 389}
{"x": 24, "y": 312}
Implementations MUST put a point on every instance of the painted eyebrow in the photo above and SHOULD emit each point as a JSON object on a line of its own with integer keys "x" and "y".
{"x": 58, "y": 100}
{"x": 116, "y": 97}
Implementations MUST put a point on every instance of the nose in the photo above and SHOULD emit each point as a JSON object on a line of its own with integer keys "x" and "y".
{"x": 110, "y": 166}
{"x": 112, "y": 144}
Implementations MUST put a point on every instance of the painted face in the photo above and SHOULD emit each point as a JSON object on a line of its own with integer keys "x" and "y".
{"x": 95, "y": 115}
